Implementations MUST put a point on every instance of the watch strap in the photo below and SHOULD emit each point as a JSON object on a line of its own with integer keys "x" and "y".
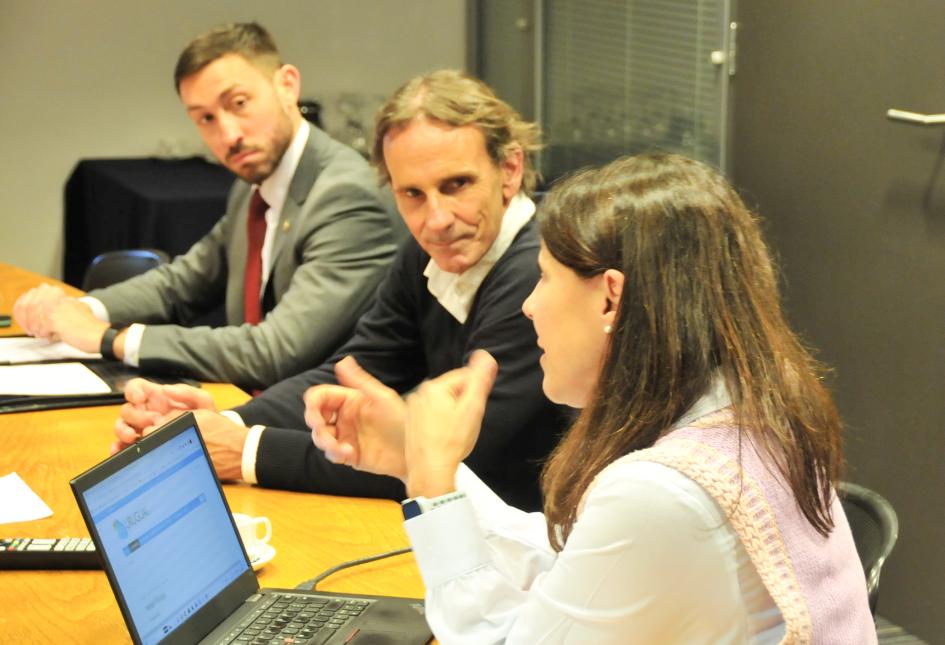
{"x": 107, "y": 346}
{"x": 419, "y": 505}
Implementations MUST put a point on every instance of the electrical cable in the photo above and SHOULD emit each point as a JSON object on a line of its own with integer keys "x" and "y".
{"x": 312, "y": 582}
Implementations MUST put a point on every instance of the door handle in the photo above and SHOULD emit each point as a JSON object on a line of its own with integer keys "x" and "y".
{"x": 915, "y": 117}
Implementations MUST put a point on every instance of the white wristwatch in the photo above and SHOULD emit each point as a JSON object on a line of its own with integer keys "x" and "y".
{"x": 418, "y": 505}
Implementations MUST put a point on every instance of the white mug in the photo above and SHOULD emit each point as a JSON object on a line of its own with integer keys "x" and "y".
{"x": 249, "y": 530}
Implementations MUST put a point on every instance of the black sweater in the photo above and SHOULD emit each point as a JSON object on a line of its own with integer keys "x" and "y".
{"x": 406, "y": 337}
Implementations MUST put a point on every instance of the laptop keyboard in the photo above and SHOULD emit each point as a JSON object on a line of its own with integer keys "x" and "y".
{"x": 288, "y": 619}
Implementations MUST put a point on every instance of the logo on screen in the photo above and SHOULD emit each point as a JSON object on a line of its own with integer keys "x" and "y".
{"x": 120, "y": 529}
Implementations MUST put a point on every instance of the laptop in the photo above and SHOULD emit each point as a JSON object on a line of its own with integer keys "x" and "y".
{"x": 175, "y": 561}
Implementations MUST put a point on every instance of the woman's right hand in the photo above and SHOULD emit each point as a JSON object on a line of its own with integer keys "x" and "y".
{"x": 444, "y": 417}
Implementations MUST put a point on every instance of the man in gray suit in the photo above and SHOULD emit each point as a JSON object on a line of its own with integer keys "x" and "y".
{"x": 296, "y": 258}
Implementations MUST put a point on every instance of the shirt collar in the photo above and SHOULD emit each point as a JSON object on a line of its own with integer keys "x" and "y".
{"x": 275, "y": 187}
{"x": 456, "y": 292}
{"x": 714, "y": 399}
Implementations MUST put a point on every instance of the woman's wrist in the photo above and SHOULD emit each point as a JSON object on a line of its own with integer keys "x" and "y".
{"x": 431, "y": 482}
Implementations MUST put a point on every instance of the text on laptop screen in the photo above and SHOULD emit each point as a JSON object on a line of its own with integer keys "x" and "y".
{"x": 166, "y": 532}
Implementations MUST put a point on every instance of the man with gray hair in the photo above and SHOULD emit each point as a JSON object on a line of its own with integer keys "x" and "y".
{"x": 305, "y": 239}
{"x": 457, "y": 160}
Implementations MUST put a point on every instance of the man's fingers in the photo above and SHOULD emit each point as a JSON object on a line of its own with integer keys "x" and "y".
{"x": 116, "y": 447}
{"x": 21, "y": 311}
{"x": 164, "y": 420}
{"x": 136, "y": 391}
{"x": 137, "y": 417}
{"x": 32, "y": 309}
{"x": 125, "y": 433}
{"x": 26, "y": 312}
{"x": 188, "y": 397}
{"x": 128, "y": 435}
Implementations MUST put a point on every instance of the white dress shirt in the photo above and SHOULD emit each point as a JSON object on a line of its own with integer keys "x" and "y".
{"x": 273, "y": 190}
{"x": 651, "y": 559}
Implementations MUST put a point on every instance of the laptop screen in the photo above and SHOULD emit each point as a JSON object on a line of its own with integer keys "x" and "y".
{"x": 165, "y": 531}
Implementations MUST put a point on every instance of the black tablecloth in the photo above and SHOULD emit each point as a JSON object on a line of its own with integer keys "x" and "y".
{"x": 113, "y": 204}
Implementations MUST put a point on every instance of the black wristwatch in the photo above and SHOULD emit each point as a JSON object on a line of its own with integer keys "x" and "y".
{"x": 107, "y": 347}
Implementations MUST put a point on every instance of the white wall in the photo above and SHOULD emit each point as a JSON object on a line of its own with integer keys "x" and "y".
{"x": 94, "y": 78}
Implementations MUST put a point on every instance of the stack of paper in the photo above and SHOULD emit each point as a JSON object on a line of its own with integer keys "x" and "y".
{"x": 24, "y": 349}
{"x": 50, "y": 379}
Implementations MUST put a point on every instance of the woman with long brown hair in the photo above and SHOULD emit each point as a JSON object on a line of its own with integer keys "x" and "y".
{"x": 693, "y": 500}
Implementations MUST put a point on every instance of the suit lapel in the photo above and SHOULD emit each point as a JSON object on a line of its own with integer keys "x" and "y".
{"x": 237, "y": 254}
{"x": 302, "y": 181}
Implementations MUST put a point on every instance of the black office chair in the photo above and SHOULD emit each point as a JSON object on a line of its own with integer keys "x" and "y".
{"x": 115, "y": 266}
{"x": 875, "y": 528}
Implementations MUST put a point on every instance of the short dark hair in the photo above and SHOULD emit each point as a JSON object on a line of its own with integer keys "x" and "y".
{"x": 457, "y": 99}
{"x": 248, "y": 39}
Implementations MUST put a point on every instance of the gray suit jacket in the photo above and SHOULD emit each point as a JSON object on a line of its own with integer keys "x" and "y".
{"x": 337, "y": 233}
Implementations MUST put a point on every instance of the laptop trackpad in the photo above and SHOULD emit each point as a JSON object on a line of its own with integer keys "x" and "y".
{"x": 369, "y": 636}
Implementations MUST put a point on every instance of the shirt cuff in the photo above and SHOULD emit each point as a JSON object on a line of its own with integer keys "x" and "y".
{"x": 250, "y": 448}
{"x": 233, "y": 416}
{"x": 97, "y": 307}
{"x": 447, "y": 542}
{"x": 133, "y": 336}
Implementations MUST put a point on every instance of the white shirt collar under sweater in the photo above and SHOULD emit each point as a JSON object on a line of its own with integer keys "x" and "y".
{"x": 456, "y": 292}
{"x": 713, "y": 400}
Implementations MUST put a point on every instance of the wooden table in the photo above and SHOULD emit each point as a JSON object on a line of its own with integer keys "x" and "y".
{"x": 309, "y": 532}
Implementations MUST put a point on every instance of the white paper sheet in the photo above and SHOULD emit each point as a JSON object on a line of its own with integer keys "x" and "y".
{"x": 18, "y": 502}
{"x": 47, "y": 379}
{"x": 25, "y": 349}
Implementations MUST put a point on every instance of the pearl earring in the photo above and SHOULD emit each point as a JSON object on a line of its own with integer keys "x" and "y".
{"x": 608, "y": 329}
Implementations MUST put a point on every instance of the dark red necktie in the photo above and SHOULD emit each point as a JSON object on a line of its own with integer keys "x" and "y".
{"x": 255, "y": 234}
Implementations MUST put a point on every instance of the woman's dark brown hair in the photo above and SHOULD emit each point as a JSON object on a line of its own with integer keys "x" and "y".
{"x": 700, "y": 300}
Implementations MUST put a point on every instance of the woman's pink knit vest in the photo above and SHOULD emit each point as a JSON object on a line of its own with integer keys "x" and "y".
{"x": 818, "y": 583}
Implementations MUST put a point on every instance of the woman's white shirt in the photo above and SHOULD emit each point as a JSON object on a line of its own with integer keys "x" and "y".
{"x": 651, "y": 559}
